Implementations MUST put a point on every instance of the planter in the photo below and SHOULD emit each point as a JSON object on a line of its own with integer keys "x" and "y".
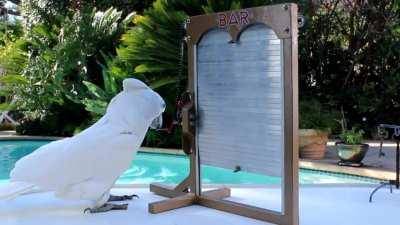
{"x": 351, "y": 153}
{"x": 312, "y": 143}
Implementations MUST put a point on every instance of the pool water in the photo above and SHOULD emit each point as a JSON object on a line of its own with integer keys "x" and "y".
{"x": 166, "y": 168}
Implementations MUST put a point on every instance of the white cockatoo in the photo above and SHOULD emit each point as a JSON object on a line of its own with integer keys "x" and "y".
{"x": 86, "y": 166}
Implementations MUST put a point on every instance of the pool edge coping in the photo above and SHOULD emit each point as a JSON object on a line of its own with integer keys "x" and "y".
{"x": 212, "y": 186}
{"x": 29, "y": 137}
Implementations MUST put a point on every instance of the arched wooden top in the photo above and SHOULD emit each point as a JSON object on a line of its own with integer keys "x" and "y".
{"x": 277, "y": 17}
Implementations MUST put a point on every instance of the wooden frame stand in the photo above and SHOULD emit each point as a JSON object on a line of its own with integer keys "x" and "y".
{"x": 181, "y": 199}
{"x": 282, "y": 20}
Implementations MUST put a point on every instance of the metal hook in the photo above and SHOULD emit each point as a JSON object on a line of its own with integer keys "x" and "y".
{"x": 301, "y": 21}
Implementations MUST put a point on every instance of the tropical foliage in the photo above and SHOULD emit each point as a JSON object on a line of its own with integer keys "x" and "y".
{"x": 49, "y": 11}
{"x": 51, "y": 69}
{"x": 67, "y": 59}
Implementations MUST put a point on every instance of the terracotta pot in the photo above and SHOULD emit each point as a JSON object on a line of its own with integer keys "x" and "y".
{"x": 312, "y": 143}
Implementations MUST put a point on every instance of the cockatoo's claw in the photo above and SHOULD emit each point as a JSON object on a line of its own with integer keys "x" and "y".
{"x": 114, "y": 198}
{"x": 87, "y": 210}
{"x": 130, "y": 197}
{"x": 106, "y": 207}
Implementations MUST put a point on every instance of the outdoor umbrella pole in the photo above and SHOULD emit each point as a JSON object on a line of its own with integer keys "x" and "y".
{"x": 397, "y": 164}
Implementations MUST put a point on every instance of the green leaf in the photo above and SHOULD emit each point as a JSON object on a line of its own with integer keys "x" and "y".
{"x": 5, "y": 107}
{"x": 6, "y": 91}
{"x": 110, "y": 83}
{"x": 97, "y": 107}
{"x": 143, "y": 68}
{"x": 162, "y": 82}
{"x": 13, "y": 79}
{"x": 95, "y": 90}
{"x": 128, "y": 19}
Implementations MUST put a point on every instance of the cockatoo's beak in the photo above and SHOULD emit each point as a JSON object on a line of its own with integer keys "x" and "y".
{"x": 157, "y": 123}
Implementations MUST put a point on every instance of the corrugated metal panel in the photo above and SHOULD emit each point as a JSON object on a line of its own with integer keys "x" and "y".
{"x": 239, "y": 98}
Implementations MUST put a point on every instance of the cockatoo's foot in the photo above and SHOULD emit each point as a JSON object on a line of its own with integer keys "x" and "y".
{"x": 114, "y": 198}
{"x": 107, "y": 207}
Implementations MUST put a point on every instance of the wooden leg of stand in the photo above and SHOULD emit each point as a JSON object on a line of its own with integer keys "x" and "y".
{"x": 183, "y": 185}
{"x": 173, "y": 203}
{"x": 168, "y": 191}
{"x": 218, "y": 193}
{"x": 164, "y": 190}
{"x": 241, "y": 209}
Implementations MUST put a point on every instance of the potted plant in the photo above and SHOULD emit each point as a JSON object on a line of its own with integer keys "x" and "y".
{"x": 350, "y": 150}
{"x": 315, "y": 126}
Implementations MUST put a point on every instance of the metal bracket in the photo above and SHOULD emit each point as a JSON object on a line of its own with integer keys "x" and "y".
{"x": 301, "y": 21}
{"x": 188, "y": 124}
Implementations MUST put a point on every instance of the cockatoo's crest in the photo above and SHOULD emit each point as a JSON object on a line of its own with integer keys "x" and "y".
{"x": 131, "y": 84}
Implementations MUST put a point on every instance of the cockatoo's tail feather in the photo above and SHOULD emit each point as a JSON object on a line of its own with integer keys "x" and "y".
{"x": 14, "y": 189}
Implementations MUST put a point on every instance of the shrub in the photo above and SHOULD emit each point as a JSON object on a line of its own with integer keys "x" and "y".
{"x": 314, "y": 116}
{"x": 352, "y": 137}
{"x": 349, "y": 53}
{"x": 46, "y": 68}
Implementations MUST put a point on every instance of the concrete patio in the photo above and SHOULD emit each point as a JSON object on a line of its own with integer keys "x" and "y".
{"x": 374, "y": 166}
{"x": 319, "y": 204}
{"x": 328, "y": 205}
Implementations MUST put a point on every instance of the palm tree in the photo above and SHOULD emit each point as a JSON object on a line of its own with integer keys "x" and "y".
{"x": 153, "y": 49}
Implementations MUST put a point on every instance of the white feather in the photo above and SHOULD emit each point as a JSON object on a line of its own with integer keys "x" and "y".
{"x": 86, "y": 166}
{"x": 14, "y": 189}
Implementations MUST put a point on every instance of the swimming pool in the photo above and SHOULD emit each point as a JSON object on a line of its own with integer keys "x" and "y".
{"x": 171, "y": 169}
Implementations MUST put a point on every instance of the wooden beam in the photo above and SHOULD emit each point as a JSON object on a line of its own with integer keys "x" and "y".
{"x": 184, "y": 185}
{"x": 220, "y": 193}
{"x": 242, "y": 209}
{"x": 291, "y": 179}
{"x": 164, "y": 190}
{"x": 173, "y": 203}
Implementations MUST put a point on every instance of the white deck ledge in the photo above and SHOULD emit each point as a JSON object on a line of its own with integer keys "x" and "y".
{"x": 318, "y": 205}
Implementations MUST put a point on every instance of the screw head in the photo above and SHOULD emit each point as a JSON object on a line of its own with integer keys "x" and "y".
{"x": 287, "y": 29}
{"x": 285, "y": 7}
{"x": 187, "y": 38}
